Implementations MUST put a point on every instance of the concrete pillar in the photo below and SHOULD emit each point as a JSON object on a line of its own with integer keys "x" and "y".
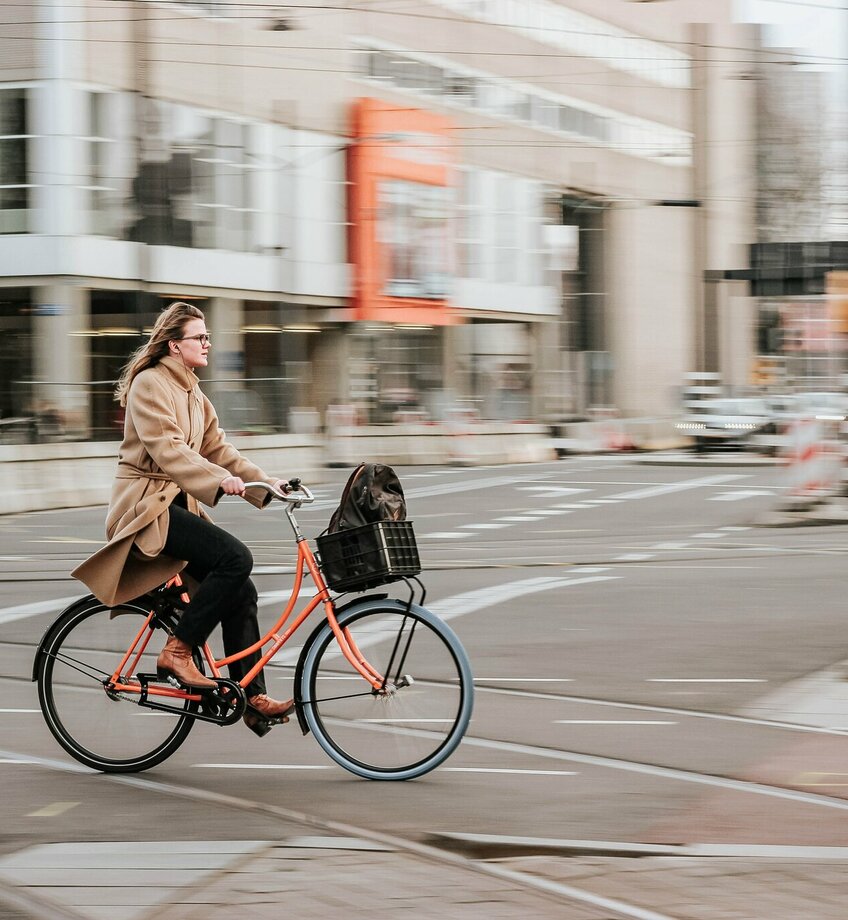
{"x": 224, "y": 319}
{"x": 455, "y": 368}
{"x": 225, "y": 371}
{"x": 61, "y": 395}
{"x": 330, "y": 354}
{"x": 58, "y": 158}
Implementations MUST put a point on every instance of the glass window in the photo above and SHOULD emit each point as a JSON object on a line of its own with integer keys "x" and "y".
{"x": 14, "y": 161}
{"x": 195, "y": 187}
{"x": 470, "y": 248}
{"x": 413, "y": 231}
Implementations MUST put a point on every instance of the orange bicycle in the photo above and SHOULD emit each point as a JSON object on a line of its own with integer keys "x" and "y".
{"x": 382, "y": 683}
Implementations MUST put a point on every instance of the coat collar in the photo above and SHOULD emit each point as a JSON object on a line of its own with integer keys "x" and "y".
{"x": 185, "y": 378}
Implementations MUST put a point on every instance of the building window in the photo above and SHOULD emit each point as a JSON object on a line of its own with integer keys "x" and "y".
{"x": 108, "y": 158}
{"x": 470, "y": 243}
{"x": 14, "y": 161}
{"x": 195, "y": 187}
{"x": 506, "y": 231}
{"x": 522, "y": 104}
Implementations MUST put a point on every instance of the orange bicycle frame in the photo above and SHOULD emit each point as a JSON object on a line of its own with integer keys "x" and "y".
{"x": 305, "y": 560}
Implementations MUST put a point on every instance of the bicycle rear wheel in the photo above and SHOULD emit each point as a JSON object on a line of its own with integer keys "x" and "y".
{"x": 419, "y": 718}
{"x": 103, "y": 730}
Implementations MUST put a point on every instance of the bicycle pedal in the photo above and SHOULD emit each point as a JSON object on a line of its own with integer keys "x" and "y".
{"x": 260, "y": 727}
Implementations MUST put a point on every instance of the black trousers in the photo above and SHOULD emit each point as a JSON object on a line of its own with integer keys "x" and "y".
{"x": 222, "y": 565}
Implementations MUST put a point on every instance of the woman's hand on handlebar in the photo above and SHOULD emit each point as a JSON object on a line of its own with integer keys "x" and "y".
{"x": 232, "y": 485}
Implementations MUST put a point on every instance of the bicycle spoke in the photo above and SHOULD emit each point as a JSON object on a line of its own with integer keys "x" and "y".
{"x": 92, "y": 725}
{"x": 426, "y": 684}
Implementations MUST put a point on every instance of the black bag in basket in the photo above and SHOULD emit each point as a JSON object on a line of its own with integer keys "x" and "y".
{"x": 369, "y": 541}
{"x": 373, "y": 493}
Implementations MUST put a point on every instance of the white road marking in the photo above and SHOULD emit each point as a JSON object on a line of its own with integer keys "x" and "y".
{"x": 603, "y": 501}
{"x": 494, "y": 526}
{"x": 670, "y": 546}
{"x": 612, "y": 722}
{"x": 20, "y": 710}
{"x": 706, "y": 680}
{"x": 729, "y": 527}
{"x": 550, "y": 491}
{"x": 738, "y": 496}
{"x": 444, "y": 535}
{"x": 516, "y": 518}
{"x": 266, "y": 598}
{"x": 635, "y": 557}
{"x": 504, "y": 770}
{"x": 669, "y": 487}
{"x": 404, "y": 721}
{"x": 471, "y": 484}
{"x": 705, "y": 536}
{"x": 23, "y": 611}
{"x": 263, "y": 766}
{"x": 52, "y": 810}
{"x": 528, "y": 680}
{"x": 485, "y": 598}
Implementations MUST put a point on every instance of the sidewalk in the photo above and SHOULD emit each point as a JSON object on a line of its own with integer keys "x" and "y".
{"x": 324, "y": 878}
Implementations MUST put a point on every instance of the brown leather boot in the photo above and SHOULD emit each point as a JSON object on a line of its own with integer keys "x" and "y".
{"x": 262, "y": 711}
{"x": 175, "y": 660}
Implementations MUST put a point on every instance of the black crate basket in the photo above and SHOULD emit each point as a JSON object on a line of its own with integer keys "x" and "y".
{"x": 364, "y": 557}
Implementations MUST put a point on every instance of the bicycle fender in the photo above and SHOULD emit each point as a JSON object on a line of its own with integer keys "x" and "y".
{"x": 48, "y": 633}
{"x": 88, "y": 601}
{"x": 298, "y": 671}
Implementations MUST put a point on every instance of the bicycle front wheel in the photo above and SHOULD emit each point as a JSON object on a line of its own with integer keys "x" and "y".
{"x": 104, "y": 730}
{"x": 419, "y": 717}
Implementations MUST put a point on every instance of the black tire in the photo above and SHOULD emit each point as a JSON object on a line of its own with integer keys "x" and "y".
{"x": 81, "y": 651}
{"x": 411, "y": 728}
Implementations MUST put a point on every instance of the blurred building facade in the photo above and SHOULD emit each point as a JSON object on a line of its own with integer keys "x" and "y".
{"x": 501, "y": 207}
{"x": 800, "y": 224}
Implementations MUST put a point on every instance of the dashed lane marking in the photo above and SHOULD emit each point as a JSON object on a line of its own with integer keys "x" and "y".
{"x": 706, "y": 680}
{"x": 669, "y": 487}
{"x": 738, "y": 496}
{"x": 53, "y": 810}
{"x": 820, "y": 779}
{"x": 612, "y": 722}
{"x": 22, "y": 611}
{"x": 527, "y": 680}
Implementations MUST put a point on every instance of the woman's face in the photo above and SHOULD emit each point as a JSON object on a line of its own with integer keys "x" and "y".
{"x": 193, "y": 347}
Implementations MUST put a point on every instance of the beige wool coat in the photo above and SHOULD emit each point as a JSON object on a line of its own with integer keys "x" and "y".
{"x": 172, "y": 443}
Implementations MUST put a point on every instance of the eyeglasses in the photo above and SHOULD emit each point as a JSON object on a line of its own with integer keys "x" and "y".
{"x": 204, "y": 338}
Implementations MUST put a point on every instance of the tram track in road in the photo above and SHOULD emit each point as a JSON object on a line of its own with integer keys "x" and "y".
{"x": 563, "y": 895}
{"x": 434, "y": 852}
{"x": 441, "y": 849}
{"x": 723, "y": 779}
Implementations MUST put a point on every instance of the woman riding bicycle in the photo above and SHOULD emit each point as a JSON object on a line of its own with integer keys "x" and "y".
{"x": 174, "y": 456}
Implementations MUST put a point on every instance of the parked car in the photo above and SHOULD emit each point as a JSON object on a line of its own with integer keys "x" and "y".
{"x": 726, "y": 422}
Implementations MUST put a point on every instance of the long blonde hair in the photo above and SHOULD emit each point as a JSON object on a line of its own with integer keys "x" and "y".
{"x": 168, "y": 326}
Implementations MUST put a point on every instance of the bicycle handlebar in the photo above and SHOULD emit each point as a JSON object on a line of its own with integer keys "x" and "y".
{"x": 299, "y": 495}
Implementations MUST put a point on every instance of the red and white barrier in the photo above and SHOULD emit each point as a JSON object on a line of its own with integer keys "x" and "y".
{"x": 814, "y": 462}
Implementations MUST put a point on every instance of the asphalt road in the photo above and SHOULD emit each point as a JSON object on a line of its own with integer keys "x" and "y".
{"x": 643, "y": 653}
